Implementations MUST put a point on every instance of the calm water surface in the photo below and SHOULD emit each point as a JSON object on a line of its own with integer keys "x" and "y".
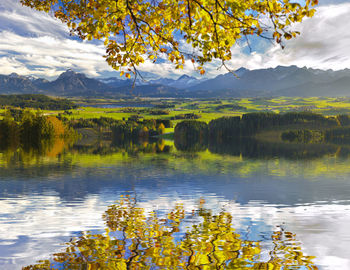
{"x": 299, "y": 194}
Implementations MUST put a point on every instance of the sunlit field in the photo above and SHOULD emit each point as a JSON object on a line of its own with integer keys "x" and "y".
{"x": 206, "y": 110}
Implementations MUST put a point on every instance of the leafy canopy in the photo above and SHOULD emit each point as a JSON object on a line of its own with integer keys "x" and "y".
{"x": 200, "y": 30}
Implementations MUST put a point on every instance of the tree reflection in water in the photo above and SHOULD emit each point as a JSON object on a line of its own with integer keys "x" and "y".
{"x": 135, "y": 239}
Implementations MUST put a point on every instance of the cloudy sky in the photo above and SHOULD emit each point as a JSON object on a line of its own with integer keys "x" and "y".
{"x": 33, "y": 43}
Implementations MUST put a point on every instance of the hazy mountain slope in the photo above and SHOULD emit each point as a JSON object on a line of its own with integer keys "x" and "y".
{"x": 264, "y": 80}
{"x": 339, "y": 87}
{"x": 279, "y": 81}
{"x": 72, "y": 83}
{"x": 183, "y": 82}
{"x": 15, "y": 83}
{"x": 153, "y": 90}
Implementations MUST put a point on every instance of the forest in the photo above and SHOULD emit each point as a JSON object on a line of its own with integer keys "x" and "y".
{"x": 299, "y": 127}
{"x": 27, "y": 128}
{"x": 36, "y": 101}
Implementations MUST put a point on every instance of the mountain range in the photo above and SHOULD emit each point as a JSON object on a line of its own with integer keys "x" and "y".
{"x": 279, "y": 81}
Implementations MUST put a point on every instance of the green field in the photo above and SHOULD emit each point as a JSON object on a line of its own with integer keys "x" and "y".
{"x": 205, "y": 109}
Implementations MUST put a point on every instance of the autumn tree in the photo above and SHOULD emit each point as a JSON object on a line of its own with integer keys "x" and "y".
{"x": 8, "y": 131}
{"x": 197, "y": 30}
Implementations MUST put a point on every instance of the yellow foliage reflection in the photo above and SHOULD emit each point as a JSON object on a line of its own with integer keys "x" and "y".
{"x": 135, "y": 239}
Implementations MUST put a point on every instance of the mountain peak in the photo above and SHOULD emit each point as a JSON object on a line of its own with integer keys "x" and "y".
{"x": 241, "y": 71}
{"x": 185, "y": 76}
{"x": 69, "y": 73}
{"x": 14, "y": 75}
{"x": 285, "y": 68}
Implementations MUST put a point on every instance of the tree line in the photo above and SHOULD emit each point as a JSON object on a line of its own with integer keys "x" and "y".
{"x": 337, "y": 135}
{"x": 30, "y": 128}
{"x": 36, "y": 101}
{"x": 132, "y": 128}
{"x": 227, "y": 128}
{"x": 227, "y": 133}
{"x": 191, "y": 135}
{"x": 249, "y": 124}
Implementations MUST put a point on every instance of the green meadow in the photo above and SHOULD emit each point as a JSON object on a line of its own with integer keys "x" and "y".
{"x": 211, "y": 109}
{"x": 204, "y": 109}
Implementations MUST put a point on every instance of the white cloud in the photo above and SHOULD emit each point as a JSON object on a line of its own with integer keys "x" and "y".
{"x": 27, "y": 22}
{"x": 35, "y": 43}
{"x": 38, "y": 55}
{"x": 324, "y": 43}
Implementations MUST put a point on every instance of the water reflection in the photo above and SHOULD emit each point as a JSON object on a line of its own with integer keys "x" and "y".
{"x": 136, "y": 238}
{"x": 60, "y": 151}
{"x": 247, "y": 148}
{"x": 259, "y": 149}
{"x": 47, "y": 197}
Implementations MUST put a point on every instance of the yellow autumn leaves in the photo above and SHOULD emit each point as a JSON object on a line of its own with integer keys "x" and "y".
{"x": 134, "y": 31}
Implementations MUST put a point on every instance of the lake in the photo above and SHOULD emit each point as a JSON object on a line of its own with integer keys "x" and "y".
{"x": 156, "y": 204}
